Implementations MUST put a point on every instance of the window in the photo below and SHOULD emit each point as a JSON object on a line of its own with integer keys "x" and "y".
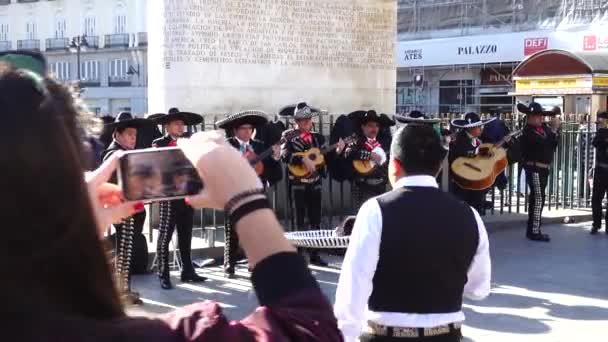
{"x": 4, "y": 32}
{"x": 119, "y": 68}
{"x": 60, "y": 28}
{"x": 89, "y": 26}
{"x": 61, "y": 70}
{"x": 89, "y": 70}
{"x": 30, "y": 29}
{"x": 120, "y": 23}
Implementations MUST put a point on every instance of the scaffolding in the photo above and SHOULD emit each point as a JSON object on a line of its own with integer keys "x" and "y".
{"x": 427, "y": 19}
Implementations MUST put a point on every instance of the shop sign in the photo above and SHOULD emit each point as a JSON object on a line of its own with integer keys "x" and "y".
{"x": 595, "y": 42}
{"x": 600, "y": 81}
{"x": 496, "y": 76}
{"x": 534, "y": 45}
{"x": 553, "y": 83}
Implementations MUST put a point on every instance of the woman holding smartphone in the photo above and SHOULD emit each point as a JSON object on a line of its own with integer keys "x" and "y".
{"x": 58, "y": 286}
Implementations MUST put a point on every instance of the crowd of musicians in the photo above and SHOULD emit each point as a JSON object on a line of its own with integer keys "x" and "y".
{"x": 359, "y": 151}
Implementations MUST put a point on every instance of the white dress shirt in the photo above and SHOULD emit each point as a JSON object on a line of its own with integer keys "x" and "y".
{"x": 355, "y": 284}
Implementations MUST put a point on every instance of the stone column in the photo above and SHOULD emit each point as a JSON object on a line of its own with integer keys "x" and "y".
{"x": 221, "y": 56}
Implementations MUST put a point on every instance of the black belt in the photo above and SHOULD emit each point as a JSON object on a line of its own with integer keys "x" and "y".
{"x": 383, "y": 330}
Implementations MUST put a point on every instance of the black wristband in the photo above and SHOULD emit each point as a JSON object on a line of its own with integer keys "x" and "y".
{"x": 241, "y": 196}
{"x": 248, "y": 208}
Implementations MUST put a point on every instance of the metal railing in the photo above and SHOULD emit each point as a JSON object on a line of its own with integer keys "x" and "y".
{"x": 28, "y": 44}
{"x": 93, "y": 42}
{"x": 119, "y": 81}
{"x": 55, "y": 44}
{"x": 116, "y": 40}
{"x": 142, "y": 39}
{"x": 569, "y": 185}
{"x": 90, "y": 83}
{"x": 6, "y": 45}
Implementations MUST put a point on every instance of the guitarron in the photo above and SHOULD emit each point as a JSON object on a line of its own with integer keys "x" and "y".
{"x": 480, "y": 172}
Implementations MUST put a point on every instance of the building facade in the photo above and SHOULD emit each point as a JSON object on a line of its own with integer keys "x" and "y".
{"x": 455, "y": 56}
{"x": 111, "y": 66}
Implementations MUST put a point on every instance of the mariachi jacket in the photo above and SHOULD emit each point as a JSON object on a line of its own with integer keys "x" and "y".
{"x": 359, "y": 151}
{"x": 538, "y": 147}
{"x": 463, "y": 146}
{"x": 600, "y": 142}
{"x": 298, "y": 144}
{"x": 272, "y": 168}
{"x": 113, "y": 147}
{"x": 165, "y": 141}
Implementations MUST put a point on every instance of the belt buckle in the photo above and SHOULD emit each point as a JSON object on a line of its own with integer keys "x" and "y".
{"x": 376, "y": 329}
{"x": 405, "y": 332}
{"x": 436, "y": 331}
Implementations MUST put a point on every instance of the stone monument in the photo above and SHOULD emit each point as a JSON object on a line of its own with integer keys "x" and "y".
{"x": 221, "y": 56}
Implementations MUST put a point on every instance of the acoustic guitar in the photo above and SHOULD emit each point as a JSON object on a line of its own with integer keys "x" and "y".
{"x": 317, "y": 156}
{"x": 365, "y": 167}
{"x": 480, "y": 172}
{"x": 257, "y": 160}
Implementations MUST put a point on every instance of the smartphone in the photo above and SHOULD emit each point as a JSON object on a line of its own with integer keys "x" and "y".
{"x": 157, "y": 174}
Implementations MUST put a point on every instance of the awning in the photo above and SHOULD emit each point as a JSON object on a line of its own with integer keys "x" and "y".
{"x": 560, "y": 72}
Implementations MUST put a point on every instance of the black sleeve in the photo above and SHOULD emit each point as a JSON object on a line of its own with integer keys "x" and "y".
{"x": 287, "y": 155}
{"x": 272, "y": 170}
{"x": 280, "y": 275}
{"x": 355, "y": 151}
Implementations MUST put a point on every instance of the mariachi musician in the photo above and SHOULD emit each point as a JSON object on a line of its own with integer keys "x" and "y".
{"x": 240, "y": 128}
{"x": 175, "y": 213}
{"x": 306, "y": 191}
{"x": 467, "y": 144}
{"x": 373, "y": 147}
{"x": 538, "y": 144}
{"x": 600, "y": 173}
{"x": 124, "y": 138}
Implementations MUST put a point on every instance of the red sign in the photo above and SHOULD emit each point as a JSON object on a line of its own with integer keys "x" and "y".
{"x": 533, "y": 45}
{"x": 589, "y": 43}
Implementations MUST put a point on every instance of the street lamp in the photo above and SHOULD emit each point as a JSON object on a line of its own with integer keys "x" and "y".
{"x": 77, "y": 45}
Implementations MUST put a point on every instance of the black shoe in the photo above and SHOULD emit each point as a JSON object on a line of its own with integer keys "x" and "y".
{"x": 192, "y": 277}
{"x": 317, "y": 261}
{"x": 594, "y": 230}
{"x": 165, "y": 282}
{"x": 132, "y": 298}
{"x": 229, "y": 273}
{"x": 539, "y": 237}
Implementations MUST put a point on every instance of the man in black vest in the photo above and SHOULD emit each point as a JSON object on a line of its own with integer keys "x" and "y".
{"x": 370, "y": 146}
{"x": 175, "y": 213}
{"x": 413, "y": 253}
{"x": 600, "y": 174}
{"x": 538, "y": 143}
{"x": 240, "y": 128}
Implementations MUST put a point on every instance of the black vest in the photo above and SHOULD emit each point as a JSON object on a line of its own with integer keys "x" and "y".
{"x": 428, "y": 241}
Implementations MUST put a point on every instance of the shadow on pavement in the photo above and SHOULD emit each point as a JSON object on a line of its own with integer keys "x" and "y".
{"x": 504, "y": 323}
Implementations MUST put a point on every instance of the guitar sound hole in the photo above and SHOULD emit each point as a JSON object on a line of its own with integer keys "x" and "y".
{"x": 312, "y": 157}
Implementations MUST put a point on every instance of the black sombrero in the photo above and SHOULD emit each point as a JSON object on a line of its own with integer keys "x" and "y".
{"x": 189, "y": 119}
{"x": 415, "y": 117}
{"x": 153, "y": 117}
{"x": 534, "y": 108}
{"x": 126, "y": 120}
{"x": 471, "y": 120}
{"x": 363, "y": 116}
{"x": 251, "y": 117}
{"x": 602, "y": 115}
{"x": 299, "y": 111}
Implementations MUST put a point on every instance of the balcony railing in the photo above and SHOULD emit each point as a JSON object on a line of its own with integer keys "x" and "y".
{"x": 26, "y": 1}
{"x": 90, "y": 83}
{"x": 54, "y": 44}
{"x": 117, "y": 40}
{"x": 6, "y": 45}
{"x": 142, "y": 39}
{"x": 28, "y": 44}
{"x": 93, "y": 41}
{"x": 5, "y": 2}
{"x": 119, "y": 81}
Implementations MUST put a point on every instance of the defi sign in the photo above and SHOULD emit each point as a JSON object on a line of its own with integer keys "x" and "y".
{"x": 533, "y": 45}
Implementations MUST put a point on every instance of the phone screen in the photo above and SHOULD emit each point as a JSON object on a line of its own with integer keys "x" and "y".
{"x": 156, "y": 174}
